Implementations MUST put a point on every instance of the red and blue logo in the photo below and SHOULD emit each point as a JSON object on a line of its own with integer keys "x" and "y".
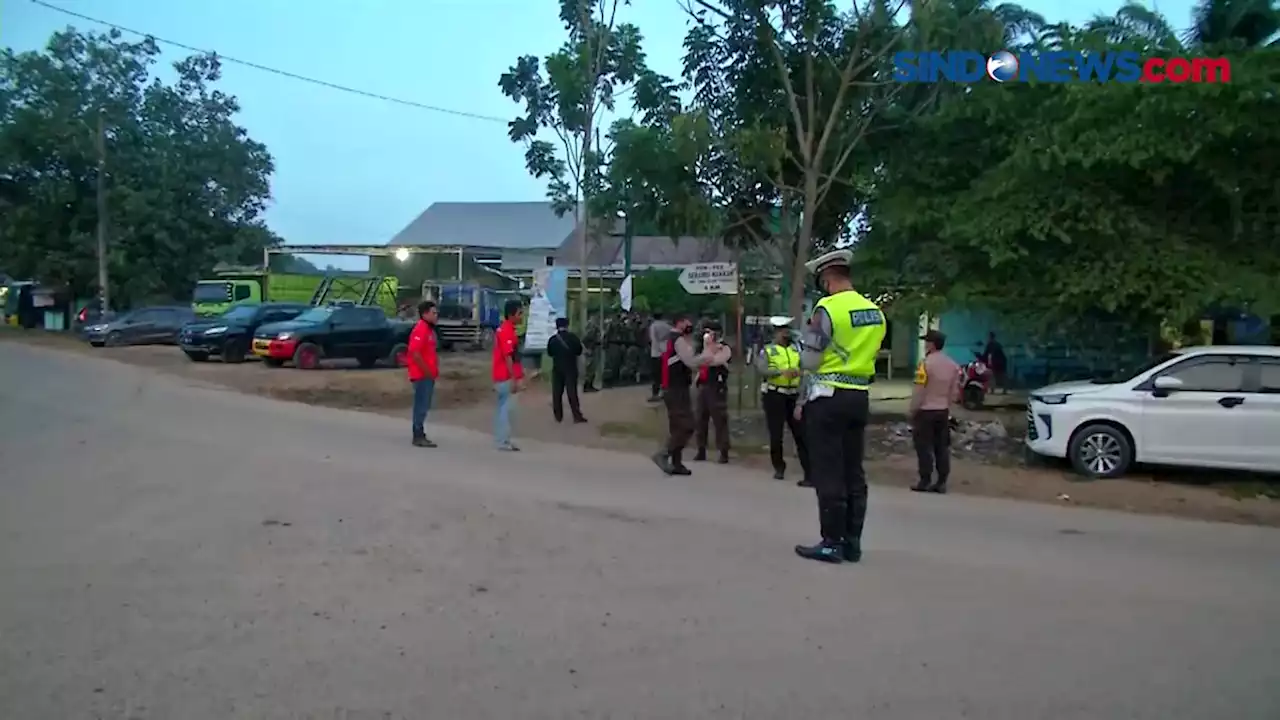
{"x": 965, "y": 66}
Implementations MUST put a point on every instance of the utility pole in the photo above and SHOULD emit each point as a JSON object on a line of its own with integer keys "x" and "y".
{"x": 104, "y": 294}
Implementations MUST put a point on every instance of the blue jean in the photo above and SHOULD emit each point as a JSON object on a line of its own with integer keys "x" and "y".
{"x": 502, "y": 414}
{"x": 423, "y": 390}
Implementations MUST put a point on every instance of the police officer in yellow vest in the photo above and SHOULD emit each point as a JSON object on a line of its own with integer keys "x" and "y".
{"x": 779, "y": 365}
{"x": 840, "y": 347}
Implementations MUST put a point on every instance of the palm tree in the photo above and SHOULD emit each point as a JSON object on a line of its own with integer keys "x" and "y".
{"x": 1253, "y": 23}
{"x": 1248, "y": 23}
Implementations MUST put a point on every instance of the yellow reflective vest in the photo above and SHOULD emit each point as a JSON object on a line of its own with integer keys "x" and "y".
{"x": 857, "y": 332}
{"x": 780, "y": 359}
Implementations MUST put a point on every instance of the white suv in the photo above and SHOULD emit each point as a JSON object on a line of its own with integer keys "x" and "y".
{"x": 1212, "y": 407}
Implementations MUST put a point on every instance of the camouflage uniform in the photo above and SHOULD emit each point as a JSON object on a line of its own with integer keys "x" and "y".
{"x": 591, "y": 354}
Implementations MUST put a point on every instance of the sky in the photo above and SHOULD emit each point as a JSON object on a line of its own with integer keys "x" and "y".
{"x": 353, "y": 169}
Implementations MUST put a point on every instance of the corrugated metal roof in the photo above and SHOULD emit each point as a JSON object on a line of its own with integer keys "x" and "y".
{"x": 505, "y": 225}
{"x": 646, "y": 250}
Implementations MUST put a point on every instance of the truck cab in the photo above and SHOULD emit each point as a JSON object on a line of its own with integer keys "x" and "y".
{"x": 468, "y": 314}
{"x": 212, "y": 298}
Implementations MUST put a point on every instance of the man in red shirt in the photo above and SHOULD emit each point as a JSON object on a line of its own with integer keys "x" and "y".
{"x": 424, "y": 368}
{"x": 508, "y": 376}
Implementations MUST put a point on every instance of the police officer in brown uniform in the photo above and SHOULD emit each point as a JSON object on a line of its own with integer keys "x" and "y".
{"x": 679, "y": 362}
{"x": 712, "y": 402}
{"x": 937, "y": 385}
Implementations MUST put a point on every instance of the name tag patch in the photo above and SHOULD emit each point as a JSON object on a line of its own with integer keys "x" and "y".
{"x": 866, "y": 318}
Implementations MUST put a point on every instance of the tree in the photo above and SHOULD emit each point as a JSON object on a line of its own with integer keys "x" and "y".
{"x": 1136, "y": 203}
{"x": 186, "y": 186}
{"x": 774, "y": 148}
{"x": 564, "y": 98}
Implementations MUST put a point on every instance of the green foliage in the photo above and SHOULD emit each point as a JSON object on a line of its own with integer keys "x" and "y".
{"x": 775, "y": 148}
{"x": 564, "y": 96}
{"x": 1062, "y": 206}
{"x": 186, "y": 187}
{"x": 285, "y": 263}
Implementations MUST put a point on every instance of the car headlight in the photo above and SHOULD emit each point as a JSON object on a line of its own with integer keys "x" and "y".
{"x": 1057, "y": 399}
{"x": 216, "y": 330}
{"x": 284, "y": 336}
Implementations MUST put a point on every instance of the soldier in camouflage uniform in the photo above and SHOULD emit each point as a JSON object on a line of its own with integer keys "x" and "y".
{"x": 591, "y": 352}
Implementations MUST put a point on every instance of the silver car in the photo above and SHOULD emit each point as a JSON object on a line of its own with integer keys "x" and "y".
{"x": 144, "y": 326}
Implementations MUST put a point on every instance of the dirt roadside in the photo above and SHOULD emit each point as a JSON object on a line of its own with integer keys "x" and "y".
{"x": 622, "y": 420}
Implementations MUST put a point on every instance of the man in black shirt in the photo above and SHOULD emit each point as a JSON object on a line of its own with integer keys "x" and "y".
{"x": 564, "y": 348}
{"x": 993, "y": 355}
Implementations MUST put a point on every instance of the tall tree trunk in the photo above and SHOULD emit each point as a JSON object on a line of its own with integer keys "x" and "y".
{"x": 804, "y": 241}
{"x": 584, "y": 219}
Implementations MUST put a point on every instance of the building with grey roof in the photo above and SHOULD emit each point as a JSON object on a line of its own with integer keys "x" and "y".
{"x": 516, "y": 236}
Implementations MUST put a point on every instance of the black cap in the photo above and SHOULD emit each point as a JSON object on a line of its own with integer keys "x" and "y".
{"x": 713, "y": 325}
{"x": 934, "y": 336}
{"x": 562, "y": 323}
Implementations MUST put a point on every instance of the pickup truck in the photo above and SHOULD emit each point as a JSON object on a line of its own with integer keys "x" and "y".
{"x": 230, "y": 334}
{"x": 334, "y": 332}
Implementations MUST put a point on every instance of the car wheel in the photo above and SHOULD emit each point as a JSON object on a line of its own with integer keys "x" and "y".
{"x": 273, "y": 362}
{"x": 113, "y": 339}
{"x": 1100, "y": 451}
{"x": 198, "y": 356}
{"x": 307, "y": 357}
{"x": 399, "y": 356}
{"x": 234, "y": 351}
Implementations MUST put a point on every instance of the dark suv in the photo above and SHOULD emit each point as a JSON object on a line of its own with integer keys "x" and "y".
{"x": 230, "y": 335}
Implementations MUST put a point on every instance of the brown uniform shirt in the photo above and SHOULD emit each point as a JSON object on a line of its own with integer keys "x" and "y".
{"x": 937, "y": 383}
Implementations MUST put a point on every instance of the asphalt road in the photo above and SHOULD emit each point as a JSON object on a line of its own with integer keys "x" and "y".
{"x": 184, "y": 553}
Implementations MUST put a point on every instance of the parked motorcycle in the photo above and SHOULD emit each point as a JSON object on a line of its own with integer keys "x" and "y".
{"x": 975, "y": 383}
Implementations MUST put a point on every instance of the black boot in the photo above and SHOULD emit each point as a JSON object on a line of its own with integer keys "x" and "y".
{"x": 922, "y": 486}
{"x": 677, "y": 464}
{"x": 724, "y": 458}
{"x": 939, "y": 487}
{"x": 701, "y": 456}
{"x": 779, "y": 475}
{"x": 832, "y": 517}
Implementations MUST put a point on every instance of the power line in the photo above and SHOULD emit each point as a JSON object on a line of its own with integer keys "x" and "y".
{"x": 276, "y": 71}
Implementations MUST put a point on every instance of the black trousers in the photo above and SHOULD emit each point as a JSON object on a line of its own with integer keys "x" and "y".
{"x": 561, "y": 383}
{"x": 655, "y": 369}
{"x": 931, "y": 434}
{"x": 679, "y": 403}
{"x": 779, "y": 414}
{"x": 836, "y": 431}
{"x": 713, "y": 410}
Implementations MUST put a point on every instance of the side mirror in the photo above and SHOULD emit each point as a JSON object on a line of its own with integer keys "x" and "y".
{"x": 1167, "y": 384}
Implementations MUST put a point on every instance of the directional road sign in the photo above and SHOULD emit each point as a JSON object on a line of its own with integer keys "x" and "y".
{"x": 710, "y": 279}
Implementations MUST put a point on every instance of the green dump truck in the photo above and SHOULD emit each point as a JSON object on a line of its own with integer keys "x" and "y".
{"x": 216, "y": 295}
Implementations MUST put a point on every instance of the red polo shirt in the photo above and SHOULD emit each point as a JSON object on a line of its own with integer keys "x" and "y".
{"x": 506, "y": 345}
{"x": 423, "y": 340}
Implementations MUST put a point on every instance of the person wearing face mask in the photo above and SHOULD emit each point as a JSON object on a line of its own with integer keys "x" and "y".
{"x": 779, "y": 365}
{"x": 839, "y": 357}
{"x": 713, "y": 394}
{"x": 679, "y": 362}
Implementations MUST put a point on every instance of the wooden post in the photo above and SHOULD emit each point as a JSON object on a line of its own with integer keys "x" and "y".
{"x": 742, "y": 359}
